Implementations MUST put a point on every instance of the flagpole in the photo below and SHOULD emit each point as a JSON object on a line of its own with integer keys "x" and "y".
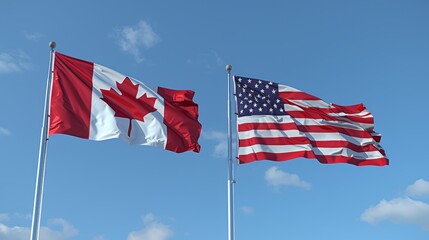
{"x": 38, "y": 193}
{"x": 231, "y": 181}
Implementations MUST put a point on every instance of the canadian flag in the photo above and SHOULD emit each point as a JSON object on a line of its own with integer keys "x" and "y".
{"x": 93, "y": 102}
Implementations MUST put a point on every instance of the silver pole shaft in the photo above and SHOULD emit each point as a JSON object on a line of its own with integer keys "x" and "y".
{"x": 231, "y": 181}
{"x": 40, "y": 178}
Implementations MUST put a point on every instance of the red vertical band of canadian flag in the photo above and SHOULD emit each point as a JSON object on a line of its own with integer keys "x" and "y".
{"x": 93, "y": 102}
{"x": 279, "y": 123}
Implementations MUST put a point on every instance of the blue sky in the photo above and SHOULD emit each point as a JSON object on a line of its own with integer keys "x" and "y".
{"x": 345, "y": 52}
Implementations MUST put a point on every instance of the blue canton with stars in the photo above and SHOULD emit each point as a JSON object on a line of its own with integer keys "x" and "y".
{"x": 257, "y": 97}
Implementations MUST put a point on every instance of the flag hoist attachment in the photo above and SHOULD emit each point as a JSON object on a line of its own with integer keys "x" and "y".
{"x": 40, "y": 178}
{"x": 231, "y": 180}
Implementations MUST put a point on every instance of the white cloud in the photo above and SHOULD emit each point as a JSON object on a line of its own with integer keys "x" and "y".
{"x": 247, "y": 210}
{"x": 210, "y": 60}
{"x": 33, "y": 35}
{"x": 399, "y": 210}
{"x": 418, "y": 188}
{"x": 221, "y": 145}
{"x": 278, "y": 178}
{"x": 67, "y": 231}
{"x": 14, "y": 62}
{"x": 152, "y": 230}
{"x": 4, "y": 132}
{"x": 4, "y": 217}
{"x": 132, "y": 39}
{"x": 98, "y": 237}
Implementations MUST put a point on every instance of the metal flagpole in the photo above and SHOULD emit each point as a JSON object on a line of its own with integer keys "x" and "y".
{"x": 231, "y": 180}
{"x": 38, "y": 193}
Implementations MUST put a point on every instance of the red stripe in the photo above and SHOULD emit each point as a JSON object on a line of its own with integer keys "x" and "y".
{"x": 274, "y": 156}
{"x": 278, "y": 141}
{"x": 181, "y": 119}
{"x": 308, "y": 154}
{"x": 273, "y": 141}
{"x": 304, "y": 128}
{"x": 314, "y": 113}
{"x": 352, "y": 109}
{"x": 266, "y": 126}
{"x": 297, "y": 96}
{"x": 70, "y": 108}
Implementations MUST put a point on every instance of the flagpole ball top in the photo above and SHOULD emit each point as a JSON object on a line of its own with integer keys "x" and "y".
{"x": 52, "y": 44}
{"x": 228, "y": 68}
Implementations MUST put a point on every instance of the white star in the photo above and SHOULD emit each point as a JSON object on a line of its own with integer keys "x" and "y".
{"x": 275, "y": 105}
{"x": 249, "y": 81}
{"x": 251, "y": 110}
{"x": 260, "y": 82}
{"x": 278, "y": 100}
{"x": 271, "y": 109}
{"x": 260, "y": 109}
{"x": 256, "y": 85}
{"x": 241, "y": 111}
{"x": 266, "y": 86}
{"x": 240, "y": 79}
{"x": 245, "y": 106}
{"x": 262, "y": 90}
{"x": 255, "y": 105}
{"x": 273, "y": 91}
{"x": 240, "y": 95}
{"x": 271, "y": 83}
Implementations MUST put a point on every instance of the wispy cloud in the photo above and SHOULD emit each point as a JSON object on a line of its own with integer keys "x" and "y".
{"x": 210, "y": 60}
{"x": 277, "y": 178}
{"x": 402, "y": 209}
{"x": 4, "y": 217}
{"x": 221, "y": 142}
{"x": 247, "y": 210}
{"x": 33, "y": 36}
{"x": 98, "y": 237}
{"x": 152, "y": 230}
{"x": 4, "y": 132}
{"x": 132, "y": 39}
{"x": 66, "y": 231}
{"x": 14, "y": 62}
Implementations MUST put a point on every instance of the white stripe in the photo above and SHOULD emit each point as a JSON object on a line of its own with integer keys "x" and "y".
{"x": 303, "y": 121}
{"x": 311, "y": 136}
{"x": 364, "y": 113}
{"x": 345, "y": 152}
{"x": 265, "y": 119}
{"x": 342, "y": 124}
{"x": 284, "y": 88}
{"x": 273, "y": 149}
{"x": 311, "y": 103}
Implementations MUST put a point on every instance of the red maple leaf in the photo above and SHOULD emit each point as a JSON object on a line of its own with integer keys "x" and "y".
{"x": 126, "y": 105}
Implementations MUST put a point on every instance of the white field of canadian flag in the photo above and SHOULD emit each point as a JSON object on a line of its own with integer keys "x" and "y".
{"x": 94, "y": 102}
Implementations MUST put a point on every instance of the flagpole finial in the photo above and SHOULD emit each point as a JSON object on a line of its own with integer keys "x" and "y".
{"x": 228, "y": 68}
{"x": 52, "y": 44}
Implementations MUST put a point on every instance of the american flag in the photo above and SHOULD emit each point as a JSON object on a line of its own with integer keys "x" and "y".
{"x": 278, "y": 122}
